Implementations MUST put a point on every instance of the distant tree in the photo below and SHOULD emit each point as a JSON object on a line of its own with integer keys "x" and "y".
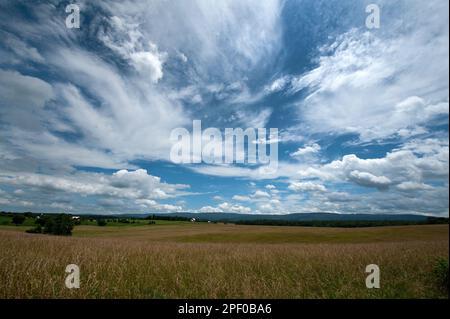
{"x": 61, "y": 225}
{"x": 18, "y": 219}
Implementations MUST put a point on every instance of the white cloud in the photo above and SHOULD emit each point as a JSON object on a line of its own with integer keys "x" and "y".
{"x": 55, "y": 151}
{"x": 125, "y": 121}
{"x": 307, "y": 150}
{"x": 234, "y": 171}
{"x": 22, "y": 51}
{"x": 230, "y": 208}
{"x": 23, "y": 92}
{"x": 275, "y": 202}
{"x": 260, "y": 194}
{"x": 279, "y": 84}
{"x": 306, "y": 187}
{"x": 189, "y": 94}
{"x": 4, "y": 201}
{"x": 224, "y": 39}
{"x": 135, "y": 187}
{"x": 413, "y": 186}
{"x": 62, "y": 206}
{"x": 369, "y": 180}
{"x": 256, "y": 119}
{"x": 241, "y": 198}
{"x": 120, "y": 116}
{"x": 210, "y": 209}
{"x": 140, "y": 180}
{"x": 375, "y": 84}
{"x": 414, "y": 162}
{"x": 133, "y": 121}
{"x": 154, "y": 206}
{"x": 127, "y": 40}
{"x": 266, "y": 209}
{"x": 148, "y": 62}
{"x": 159, "y": 63}
{"x": 183, "y": 57}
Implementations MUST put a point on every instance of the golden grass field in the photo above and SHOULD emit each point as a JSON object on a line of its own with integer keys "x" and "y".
{"x": 223, "y": 261}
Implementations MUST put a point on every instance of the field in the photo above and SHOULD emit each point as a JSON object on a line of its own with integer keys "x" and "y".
{"x": 186, "y": 260}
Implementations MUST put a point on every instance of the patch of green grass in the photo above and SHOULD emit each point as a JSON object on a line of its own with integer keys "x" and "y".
{"x": 4, "y": 220}
{"x": 7, "y": 221}
{"x": 440, "y": 272}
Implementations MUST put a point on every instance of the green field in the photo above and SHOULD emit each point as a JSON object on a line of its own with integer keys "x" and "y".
{"x": 201, "y": 260}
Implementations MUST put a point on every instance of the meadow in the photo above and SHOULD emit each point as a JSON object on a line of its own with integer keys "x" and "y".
{"x": 201, "y": 260}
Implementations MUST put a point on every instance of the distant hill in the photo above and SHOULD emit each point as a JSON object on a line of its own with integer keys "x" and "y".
{"x": 304, "y": 217}
{"x": 233, "y": 217}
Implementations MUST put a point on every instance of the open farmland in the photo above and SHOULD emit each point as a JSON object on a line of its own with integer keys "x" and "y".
{"x": 184, "y": 260}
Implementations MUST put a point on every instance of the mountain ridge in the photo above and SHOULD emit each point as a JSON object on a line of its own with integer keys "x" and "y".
{"x": 233, "y": 217}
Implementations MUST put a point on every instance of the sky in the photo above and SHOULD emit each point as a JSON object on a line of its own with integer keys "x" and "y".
{"x": 86, "y": 114}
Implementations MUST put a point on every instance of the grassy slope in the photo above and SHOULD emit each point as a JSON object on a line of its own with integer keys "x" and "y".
{"x": 209, "y": 261}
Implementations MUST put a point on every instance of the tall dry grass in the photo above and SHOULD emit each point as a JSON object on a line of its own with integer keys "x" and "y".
{"x": 32, "y": 266}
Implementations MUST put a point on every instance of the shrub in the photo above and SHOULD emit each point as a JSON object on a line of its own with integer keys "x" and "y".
{"x": 35, "y": 230}
{"x": 440, "y": 272}
{"x": 101, "y": 222}
{"x": 18, "y": 219}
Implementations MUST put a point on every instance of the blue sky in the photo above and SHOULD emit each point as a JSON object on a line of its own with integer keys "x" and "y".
{"x": 362, "y": 114}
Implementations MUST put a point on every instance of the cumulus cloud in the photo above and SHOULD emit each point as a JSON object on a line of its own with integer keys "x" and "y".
{"x": 135, "y": 187}
{"x": 260, "y": 194}
{"x": 369, "y": 180}
{"x": 154, "y": 206}
{"x": 306, "y": 187}
{"x": 241, "y": 198}
{"x": 227, "y": 207}
{"x": 414, "y": 161}
{"x": 210, "y": 209}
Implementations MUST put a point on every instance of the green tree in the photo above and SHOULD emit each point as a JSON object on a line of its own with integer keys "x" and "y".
{"x": 61, "y": 225}
{"x": 18, "y": 219}
{"x": 101, "y": 222}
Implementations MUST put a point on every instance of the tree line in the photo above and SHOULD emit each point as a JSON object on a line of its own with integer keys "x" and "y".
{"x": 344, "y": 223}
